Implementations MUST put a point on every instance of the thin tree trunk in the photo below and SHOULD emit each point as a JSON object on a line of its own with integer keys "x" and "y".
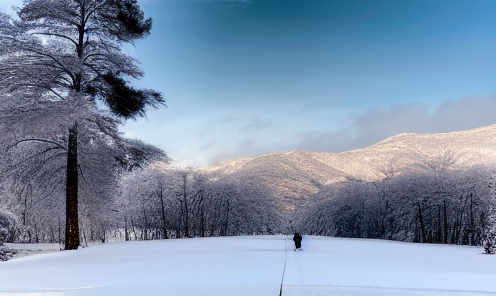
{"x": 422, "y": 227}
{"x": 212, "y": 228}
{"x": 72, "y": 223}
{"x": 416, "y": 238}
{"x": 52, "y": 238}
{"x": 445, "y": 240}
{"x": 472, "y": 223}
{"x": 145, "y": 237}
{"x": 126, "y": 234}
{"x": 103, "y": 236}
{"x": 186, "y": 218}
{"x": 134, "y": 230}
{"x": 439, "y": 232}
{"x": 24, "y": 214}
{"x": 60, "y": 231}
{"x": 36, "y": 233}
{"x": 226, "y": 225}
{"x": 202, "y": 223}
{"x": 163, "y": 213}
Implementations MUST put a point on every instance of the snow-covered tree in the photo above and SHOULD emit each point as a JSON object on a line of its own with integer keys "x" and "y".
{"x": 436, "y": 202}
{"x": 57, "y": 62}
{"x": 186, "y": 202}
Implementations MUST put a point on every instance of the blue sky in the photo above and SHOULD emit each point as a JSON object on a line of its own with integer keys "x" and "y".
{"x": 250, "y": 77}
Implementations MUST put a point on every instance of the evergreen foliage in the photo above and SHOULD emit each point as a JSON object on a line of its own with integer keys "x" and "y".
{"x": 56, "y": 61}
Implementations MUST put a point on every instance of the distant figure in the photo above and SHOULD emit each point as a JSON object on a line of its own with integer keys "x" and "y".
{"x": 297, "y": 240}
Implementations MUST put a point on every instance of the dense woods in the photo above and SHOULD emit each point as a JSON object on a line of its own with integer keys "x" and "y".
{"x": 156, "y": 202}
{"x": 433, "y": 200}
{"x": 178, "y": 202}
{"x": 426, "y": 203}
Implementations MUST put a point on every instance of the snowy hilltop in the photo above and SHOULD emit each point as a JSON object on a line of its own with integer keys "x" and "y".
{"x": 297, "y": 175}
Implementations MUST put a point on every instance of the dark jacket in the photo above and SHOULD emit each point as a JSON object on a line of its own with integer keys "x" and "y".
{"x": 297, "y": 239}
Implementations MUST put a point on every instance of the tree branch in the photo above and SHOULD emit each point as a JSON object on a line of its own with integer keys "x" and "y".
{"x": 58, "y": 35}
{"x": 57, "y": 94}
{"x": 37, "y": 140}
{"x": 55, "y": 60}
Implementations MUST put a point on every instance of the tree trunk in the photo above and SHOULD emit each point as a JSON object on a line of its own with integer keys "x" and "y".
{"x": 163, "y": 213}
{"x": 202, "y": 223}
{"x": 72, "y": 223}
{"x": 145, "y": 237}
{"x": 445, "y": 240}
{"x": 126, "y": 234}
{"x": 103, "y": 231}
{"x": 439, "y": 231}
{"x": 36, "y": 233}
{"x": 422, "y": 227}
{"x": 472, "y": 223}
{"x": 52, "y": 238}
{"x": 227, "y": 219}
{"x": 186, "y": 218}
{"x": 134, "y": 230}
{"x": 212, "y": 228}
{"x": 24, "y": 211}
{"x": 60, "y": 232}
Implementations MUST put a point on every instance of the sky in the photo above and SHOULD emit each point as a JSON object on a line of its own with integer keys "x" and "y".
{"x": 250, "y": 77}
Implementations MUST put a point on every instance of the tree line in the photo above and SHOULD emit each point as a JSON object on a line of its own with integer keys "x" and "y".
{"x": 431, "y": 201}
{"x": 184, "y": 202}
{"x": 155, "y": 202}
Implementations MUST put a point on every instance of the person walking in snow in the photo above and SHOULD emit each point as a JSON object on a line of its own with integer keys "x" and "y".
{"x": 297, "y": 240}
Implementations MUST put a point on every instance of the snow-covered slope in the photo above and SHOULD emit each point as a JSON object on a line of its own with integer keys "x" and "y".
{"x": 254, "y": 266}
{"x": 295, "y": 175}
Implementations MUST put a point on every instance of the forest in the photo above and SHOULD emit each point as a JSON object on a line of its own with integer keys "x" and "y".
{"x": 432, "y": 201}
{"x": 427, "y": 202}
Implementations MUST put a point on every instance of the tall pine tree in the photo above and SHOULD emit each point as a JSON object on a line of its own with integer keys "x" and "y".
{"x": 68, "y": 53}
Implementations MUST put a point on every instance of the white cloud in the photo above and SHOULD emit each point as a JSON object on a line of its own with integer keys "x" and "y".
{"x": 377, "y": 124}
{"x": 206, "y": 137}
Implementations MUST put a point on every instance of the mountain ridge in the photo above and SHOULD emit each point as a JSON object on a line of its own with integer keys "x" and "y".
{"x": 296, "y": 175}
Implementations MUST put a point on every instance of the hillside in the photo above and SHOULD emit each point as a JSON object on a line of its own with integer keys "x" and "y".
{"x": 296, "y": 175}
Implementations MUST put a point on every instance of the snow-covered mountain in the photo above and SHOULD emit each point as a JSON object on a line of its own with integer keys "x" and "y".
{"x": 296, "y": 175}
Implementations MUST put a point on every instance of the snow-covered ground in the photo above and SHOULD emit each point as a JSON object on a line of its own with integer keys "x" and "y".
{"x": 253, "y": 266}
{"x": 22, "y": 250}
{"x": 334, "y": 266}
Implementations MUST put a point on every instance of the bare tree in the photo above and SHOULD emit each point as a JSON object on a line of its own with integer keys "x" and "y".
{"x": 198, "y": 203}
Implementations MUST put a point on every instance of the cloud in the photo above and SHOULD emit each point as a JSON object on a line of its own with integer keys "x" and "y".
{"x": 377, "y": 124}
{"x": 260, "y": 135}
{"x": 245, "y": 147}
{"x": 256, "y": 125}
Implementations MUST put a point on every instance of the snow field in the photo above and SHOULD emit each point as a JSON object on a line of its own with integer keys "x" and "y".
{"x": 202, "y": 266}
{"x": 254, "y": 266}
{"x": 336, "y": 266}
